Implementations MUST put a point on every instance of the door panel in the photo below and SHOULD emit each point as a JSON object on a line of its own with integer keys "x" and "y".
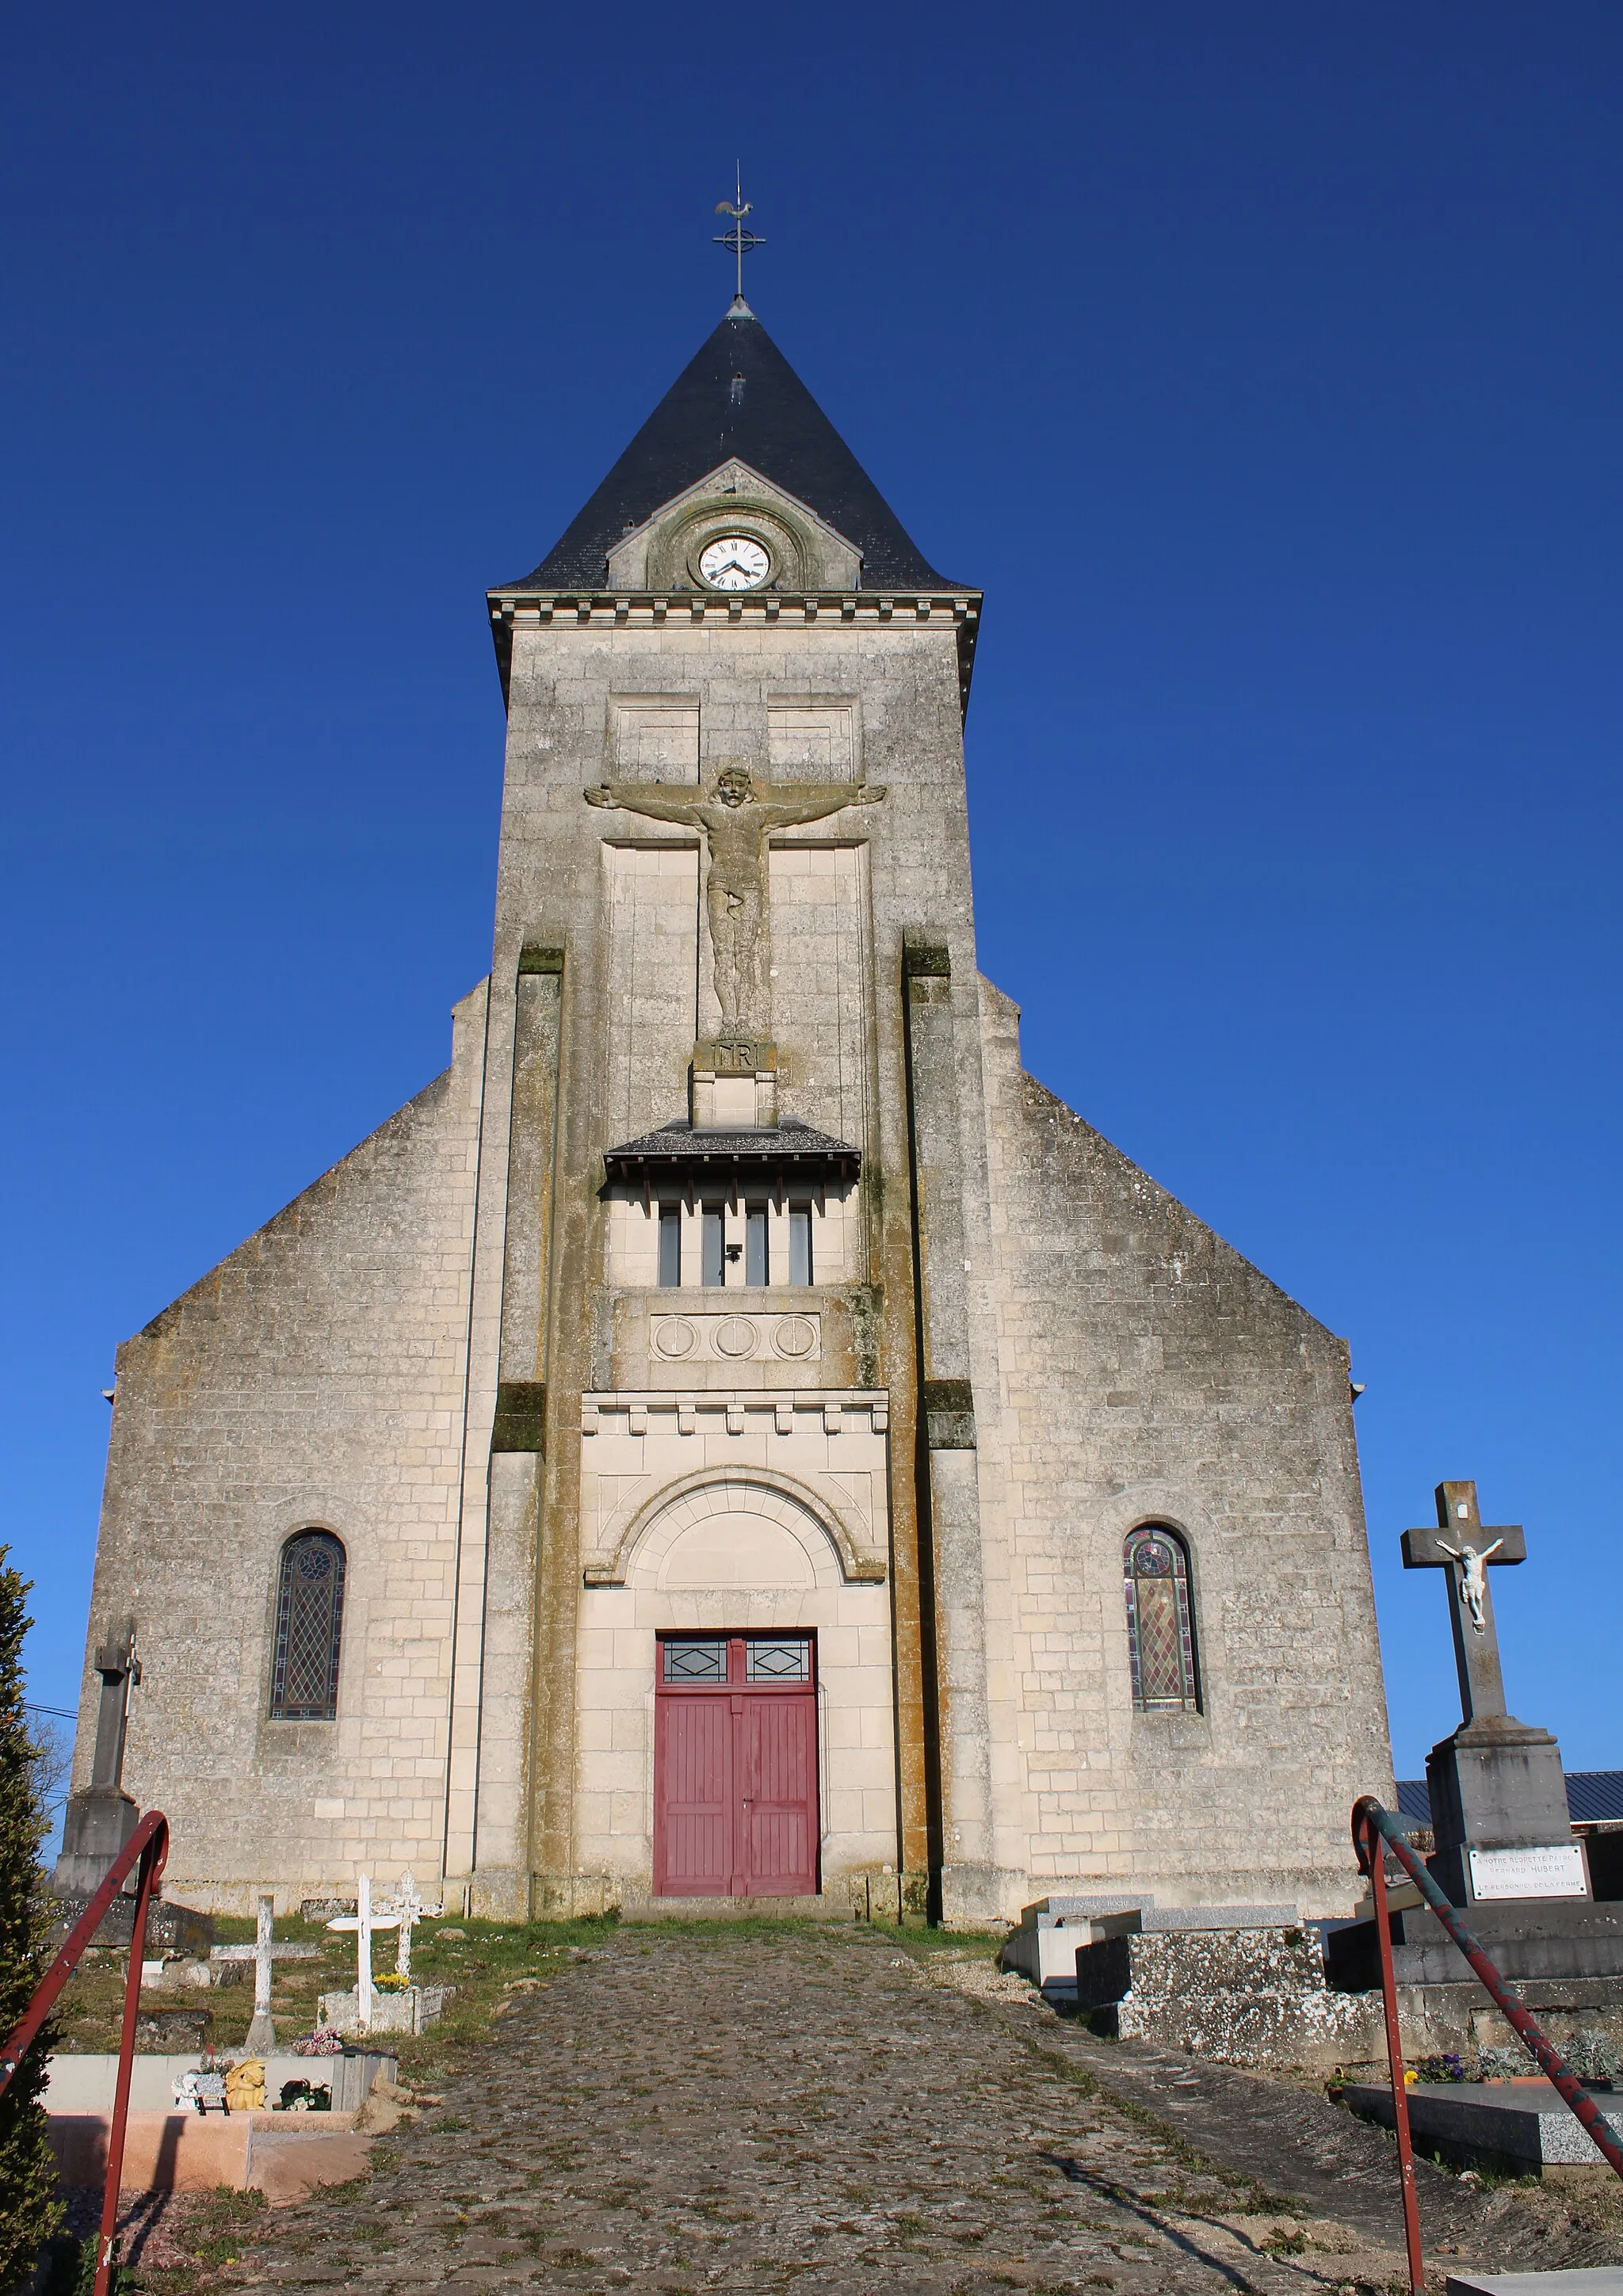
{"x": 779, "y": 1850}
{"x": 695, "y": 1797}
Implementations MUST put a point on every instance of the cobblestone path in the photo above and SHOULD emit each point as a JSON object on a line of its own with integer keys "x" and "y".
{"x": 683, "y": 2112}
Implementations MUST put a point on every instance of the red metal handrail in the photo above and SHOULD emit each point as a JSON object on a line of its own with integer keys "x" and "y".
{"x": 148, "y": 1845}
{"x": 1371, "y": 1827}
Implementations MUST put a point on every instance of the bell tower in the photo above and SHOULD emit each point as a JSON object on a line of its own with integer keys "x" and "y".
{"x": 721, "y": 1426}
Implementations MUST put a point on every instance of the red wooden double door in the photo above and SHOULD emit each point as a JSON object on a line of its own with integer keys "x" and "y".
{"x": 734, "y": 1767}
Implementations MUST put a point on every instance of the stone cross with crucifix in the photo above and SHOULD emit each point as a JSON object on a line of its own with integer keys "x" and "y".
{"x": 1499, "y": 1818}
{"x": 1465, "y": 1547}
{"x": 366, "y": 1925}
{"x": 101, "y": 1818}
{"x": 120, "y": 1670}
{"x": 264, "y": 1952}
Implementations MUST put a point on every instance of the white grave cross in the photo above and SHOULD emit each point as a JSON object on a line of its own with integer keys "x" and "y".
{"x": 364, "y": 1923}
{"x": 263, "y": 1953}
{"x": 408, "y": 1907}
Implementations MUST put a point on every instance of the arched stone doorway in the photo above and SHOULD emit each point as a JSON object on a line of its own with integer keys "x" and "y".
{"x": 737, "y": 1723}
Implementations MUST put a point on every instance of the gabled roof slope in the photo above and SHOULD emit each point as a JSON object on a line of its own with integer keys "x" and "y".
{"x": 741, "y": 397}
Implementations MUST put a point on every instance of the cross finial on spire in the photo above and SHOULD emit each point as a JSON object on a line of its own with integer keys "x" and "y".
{"x": 740, "y": 239}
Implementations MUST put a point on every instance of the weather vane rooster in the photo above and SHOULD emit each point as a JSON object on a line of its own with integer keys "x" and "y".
{"x": 740, "y": 239}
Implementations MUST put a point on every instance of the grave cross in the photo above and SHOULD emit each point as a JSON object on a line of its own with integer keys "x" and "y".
{"x": 263, "y": 1953}
{"x": 408, "y": 1908}
{"x": 121, "y": 1670}
{"x": 366, "y": 1924}
{"x": 1464, "y": 1546}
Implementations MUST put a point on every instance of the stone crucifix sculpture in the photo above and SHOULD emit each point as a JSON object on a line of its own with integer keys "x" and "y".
{"x": 366, "y": 1925}
{"x": 738, "y": 819}
{"x": 1464, "y": 1546}
{"x": 264, "y": 1953}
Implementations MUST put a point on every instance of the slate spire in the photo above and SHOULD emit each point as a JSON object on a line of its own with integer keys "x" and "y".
{"x": 739, "y": 397}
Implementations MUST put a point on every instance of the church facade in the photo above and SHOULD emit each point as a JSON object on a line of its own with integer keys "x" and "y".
{"x": 734, "y": 1436}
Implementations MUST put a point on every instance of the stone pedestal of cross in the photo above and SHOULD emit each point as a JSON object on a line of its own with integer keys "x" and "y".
{"x": 264, "y": 1953}
{"x": 1498, "y": 1793}
{"x": 366, "y": 1925}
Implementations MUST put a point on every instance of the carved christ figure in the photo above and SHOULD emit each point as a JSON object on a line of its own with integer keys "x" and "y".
{"x": 1473, "y": 1577}
{"x": 737, "y": 822}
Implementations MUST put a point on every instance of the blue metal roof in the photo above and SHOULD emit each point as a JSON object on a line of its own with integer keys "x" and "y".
{"x": 1414, "y": 1800}
{"x": 1594, "y": 1797}
{"x": 1595, "y": 1794}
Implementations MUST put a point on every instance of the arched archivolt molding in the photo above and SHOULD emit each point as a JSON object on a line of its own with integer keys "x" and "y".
{"x": 783, "y": 1499}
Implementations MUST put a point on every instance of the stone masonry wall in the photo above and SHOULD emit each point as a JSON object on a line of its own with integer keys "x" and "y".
{"x": 1149, "y": 1373}
{"x": 314, "y": 1378}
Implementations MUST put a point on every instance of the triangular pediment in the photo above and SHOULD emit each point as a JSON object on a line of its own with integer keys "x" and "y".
{"x": 808, "y": 554}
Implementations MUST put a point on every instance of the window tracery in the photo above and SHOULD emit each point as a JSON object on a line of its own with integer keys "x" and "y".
{"x": 1160, "y": 1622}
{"x": 309, "y": 1628}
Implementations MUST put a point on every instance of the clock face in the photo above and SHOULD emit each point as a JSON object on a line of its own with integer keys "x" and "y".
{"x": 734, "y": 562}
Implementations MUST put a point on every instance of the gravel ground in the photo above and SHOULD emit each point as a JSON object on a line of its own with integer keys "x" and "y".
{"x": 685, "y": 2111}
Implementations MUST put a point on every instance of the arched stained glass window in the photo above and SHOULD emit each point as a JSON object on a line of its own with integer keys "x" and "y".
{"x": 1160, "y": 1628}
{"x": 309, "y": 1623}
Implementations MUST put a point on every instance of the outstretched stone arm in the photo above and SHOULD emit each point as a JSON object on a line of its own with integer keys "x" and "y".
{"x": 786, "y": 815}
{"x": 645, "y": 801}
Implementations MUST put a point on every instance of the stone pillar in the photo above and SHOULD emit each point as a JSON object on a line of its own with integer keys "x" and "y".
{"x": 949, "y": 1480}
{"x": 518, "y": 1441}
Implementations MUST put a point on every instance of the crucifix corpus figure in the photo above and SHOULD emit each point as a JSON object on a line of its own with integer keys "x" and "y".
{"x": 1465, "y": 1553}
{"x": 264, "y": 1953}
{"x": 736, "y": 820}
{"x": 366, "y": 1924}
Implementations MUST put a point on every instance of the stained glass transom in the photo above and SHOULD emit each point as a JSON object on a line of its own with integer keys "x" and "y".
{"x": 1161, "y": 1630}
{"x": 787, "y": 1662}
{"x": 309, "y": 1627}
{"x": 696, "y": 1661}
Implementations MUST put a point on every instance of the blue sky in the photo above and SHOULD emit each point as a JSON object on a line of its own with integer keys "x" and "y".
{"x": 1261, "y": 362}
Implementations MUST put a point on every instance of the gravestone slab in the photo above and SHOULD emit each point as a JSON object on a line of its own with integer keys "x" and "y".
{"x": 407, "y": 2012}
{"x": 169, "y": 1929}
{"x": 1523, "y": 2122}
{"x": 1044, "y": 1947}
{"x": 1592, "y": 2280}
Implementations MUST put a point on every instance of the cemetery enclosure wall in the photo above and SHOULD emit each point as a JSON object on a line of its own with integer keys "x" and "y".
{"x": 314, "y": 1378}
{"x": 1149, "y": 1373}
